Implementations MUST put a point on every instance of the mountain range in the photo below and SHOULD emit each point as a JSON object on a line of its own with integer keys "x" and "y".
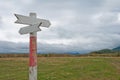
{"x": 114, "y": 50}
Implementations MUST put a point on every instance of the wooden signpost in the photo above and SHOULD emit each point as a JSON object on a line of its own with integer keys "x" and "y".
{"x": 34, "y": 24}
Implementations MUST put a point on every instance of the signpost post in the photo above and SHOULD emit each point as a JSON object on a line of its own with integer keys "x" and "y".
{"x": 34, "y": 24}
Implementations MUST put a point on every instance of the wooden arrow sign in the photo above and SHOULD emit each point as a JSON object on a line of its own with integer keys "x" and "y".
{"x": 31, "y": 20}
{"x": 30, "y": 29}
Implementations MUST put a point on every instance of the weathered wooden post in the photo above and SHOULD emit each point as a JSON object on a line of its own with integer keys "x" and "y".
{"x": 34, "y": 24}
{"x": 33, "y": 54}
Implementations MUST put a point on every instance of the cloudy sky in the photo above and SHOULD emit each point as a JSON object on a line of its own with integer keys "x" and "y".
{"x": 77, "y": 25}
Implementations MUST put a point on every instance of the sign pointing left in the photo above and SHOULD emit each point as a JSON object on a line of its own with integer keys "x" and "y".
{"x": 30, "y": 29}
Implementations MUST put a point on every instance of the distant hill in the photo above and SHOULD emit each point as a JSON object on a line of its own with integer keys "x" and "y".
{"x": 103, "y": 51}
{"x": 106, "y": 52}
{"x": 116, "y": 49}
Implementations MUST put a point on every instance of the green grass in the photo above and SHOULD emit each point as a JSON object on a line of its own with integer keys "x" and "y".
{"x": 62, "y": 68}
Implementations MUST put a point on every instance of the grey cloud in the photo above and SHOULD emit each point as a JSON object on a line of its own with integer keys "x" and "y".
{"x": 60, "y": 48}
{"x": 0, "y": 20}
{"x": 90, "y": 24}
{"x": 84, "y": 44}
{"x": 108, "y": 18}
{"x": 11, "y": 47}
{"x": 55, "y": 8}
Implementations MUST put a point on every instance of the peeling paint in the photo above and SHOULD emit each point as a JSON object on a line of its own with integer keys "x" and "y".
{"x": 33, "y": 51}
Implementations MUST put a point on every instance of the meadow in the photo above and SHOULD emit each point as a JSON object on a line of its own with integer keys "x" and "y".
{"x": 62, "y": 68}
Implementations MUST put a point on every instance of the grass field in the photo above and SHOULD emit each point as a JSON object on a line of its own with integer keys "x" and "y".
{"x": 64, "y": 68}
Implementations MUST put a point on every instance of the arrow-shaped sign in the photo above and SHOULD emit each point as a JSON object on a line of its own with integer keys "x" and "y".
{"x": 28, "y": 20}
{"x": 30, "y": 29}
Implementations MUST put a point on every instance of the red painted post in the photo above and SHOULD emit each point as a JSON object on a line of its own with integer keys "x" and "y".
{"x": 33, "y": 54}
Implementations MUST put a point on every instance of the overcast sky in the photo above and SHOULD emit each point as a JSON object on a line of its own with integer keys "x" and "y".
{"x": 77, "y": 25}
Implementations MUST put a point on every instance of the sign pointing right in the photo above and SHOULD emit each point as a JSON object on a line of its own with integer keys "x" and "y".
{"x": 31, "y": 20}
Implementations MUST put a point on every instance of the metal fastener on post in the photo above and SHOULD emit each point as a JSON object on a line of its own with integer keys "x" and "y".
{"x": 34, "y": 24}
